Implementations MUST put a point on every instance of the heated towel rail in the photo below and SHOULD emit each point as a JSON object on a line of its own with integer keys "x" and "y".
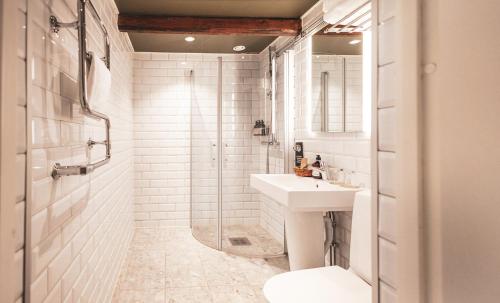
{"x": 83, "y": 59}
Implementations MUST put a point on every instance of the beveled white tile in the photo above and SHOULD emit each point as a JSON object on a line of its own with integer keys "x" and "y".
{"x": 21, "y": 129}
{"x": 387, "y": 218}
{"x": 387, "y": 173}
{"x": 387, "y": 262}
{"x": 387, "y": 85}
{"x": 387, "y": 129}
{"x": 39, "y": 288}
{"x": 18, "y": 276}
{"x": 46, "y": 133}
{"x": 20, "y": 177}
{"x": 387, "y": 294}
{"x": 387, "y": 41}
{"x": 20, "y": 207}
{"x": 39, "y": 168}
{"x": 21, "y": 82}
{"x": 387, "y": 9}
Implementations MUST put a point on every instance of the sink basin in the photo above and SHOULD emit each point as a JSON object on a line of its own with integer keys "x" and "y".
{"x": 302, "y": 194}
{"x": 305, "y": 200}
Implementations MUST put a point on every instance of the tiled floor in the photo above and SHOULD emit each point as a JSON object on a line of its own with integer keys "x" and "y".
{"x": 262, "y": 244}
{"x": 169, "y": 265}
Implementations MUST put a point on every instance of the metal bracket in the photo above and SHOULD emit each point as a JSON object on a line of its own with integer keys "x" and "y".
{"x": 61, "y": 170}
{"x": 91, "y": 143}
{"x": 56, "y": 26}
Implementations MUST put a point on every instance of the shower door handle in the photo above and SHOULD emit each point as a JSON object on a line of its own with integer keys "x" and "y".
{"x": 213, "y": 158}
{"x": 226, "y": 160}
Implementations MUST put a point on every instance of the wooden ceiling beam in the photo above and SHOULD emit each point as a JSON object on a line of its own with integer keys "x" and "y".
{"x": 209, "y": 25}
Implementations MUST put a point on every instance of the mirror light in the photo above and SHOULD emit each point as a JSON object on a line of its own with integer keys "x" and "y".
{"x": 273, "y": 96}
{"x": 189, "y": 39}
{"x": 367, "y": 82}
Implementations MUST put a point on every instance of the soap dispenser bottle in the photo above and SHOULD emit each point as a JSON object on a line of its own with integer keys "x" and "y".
{"x": 317, "y": 163}
{"x": 316, "y": 174}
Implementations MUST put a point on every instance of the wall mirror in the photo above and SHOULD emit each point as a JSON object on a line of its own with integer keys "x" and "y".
{"x": 337, "y": 82}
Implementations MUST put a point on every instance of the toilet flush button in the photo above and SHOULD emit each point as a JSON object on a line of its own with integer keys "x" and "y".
{"x": 430, "y": 68}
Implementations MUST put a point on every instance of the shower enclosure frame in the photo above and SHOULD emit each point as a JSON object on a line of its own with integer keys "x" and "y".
{"x": 217, "y": 145}
{"x": 218, "y": 157}
{"x": 219, "y": 153}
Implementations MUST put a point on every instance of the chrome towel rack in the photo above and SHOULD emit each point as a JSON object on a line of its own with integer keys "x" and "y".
{"x": 83, "y": 60}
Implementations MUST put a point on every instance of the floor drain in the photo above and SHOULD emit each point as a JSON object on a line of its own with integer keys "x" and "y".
{"x": 240, "y": 241}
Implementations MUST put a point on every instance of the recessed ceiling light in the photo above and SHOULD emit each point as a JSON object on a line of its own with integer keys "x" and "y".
{"x": 189, "y": 39}
{"x": 355, "y": 41}
{"x": 239, "y": 48}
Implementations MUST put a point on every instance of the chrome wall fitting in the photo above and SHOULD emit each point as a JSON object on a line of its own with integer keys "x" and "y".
{"x": 83, "y": 61}
{"x": 55, "y": 25}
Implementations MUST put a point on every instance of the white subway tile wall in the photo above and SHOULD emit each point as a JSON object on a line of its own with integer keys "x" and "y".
{"x": 20, "y": 74}
{"x": 161, "y": 140}
{"x": 81, "y": 225}
{"x": 272, "y": 214}
{"x": 167, "y": 87}
{"x": 387, "y": 103}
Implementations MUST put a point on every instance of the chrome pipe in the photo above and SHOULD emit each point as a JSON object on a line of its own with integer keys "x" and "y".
{"x": 219, "y": 154}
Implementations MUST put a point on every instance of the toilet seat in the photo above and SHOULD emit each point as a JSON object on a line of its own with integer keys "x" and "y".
{"x": 318, "y": 285}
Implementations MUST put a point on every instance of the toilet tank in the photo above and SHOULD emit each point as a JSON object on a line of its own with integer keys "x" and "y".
{"x": 361, "y": 236}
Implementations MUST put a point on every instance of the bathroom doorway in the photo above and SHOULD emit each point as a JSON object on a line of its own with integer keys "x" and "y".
{"x": 226, "y": 213}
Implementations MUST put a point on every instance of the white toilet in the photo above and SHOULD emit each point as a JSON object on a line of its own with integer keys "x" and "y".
{"x": 332, "y": 284}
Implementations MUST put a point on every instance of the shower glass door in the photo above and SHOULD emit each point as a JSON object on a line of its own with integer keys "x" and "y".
{"x": 225, "y": 211}
{"x": 205, "y": 151}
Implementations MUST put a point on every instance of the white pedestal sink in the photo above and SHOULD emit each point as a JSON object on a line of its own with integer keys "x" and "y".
{"x": 306, "y": 200}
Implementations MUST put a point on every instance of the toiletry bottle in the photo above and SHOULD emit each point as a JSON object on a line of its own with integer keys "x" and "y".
{"x": 317, "y": 163}
{"x": 256, "y": 128}
{"x": 316, "y": 168}
{"x": 299, "y": 153}
{"x": 340, "y": 176}
{"x": 347, "y": 178}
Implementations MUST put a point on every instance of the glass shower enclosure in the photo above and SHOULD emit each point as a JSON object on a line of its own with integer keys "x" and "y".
{"x": 225, "y": 211}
